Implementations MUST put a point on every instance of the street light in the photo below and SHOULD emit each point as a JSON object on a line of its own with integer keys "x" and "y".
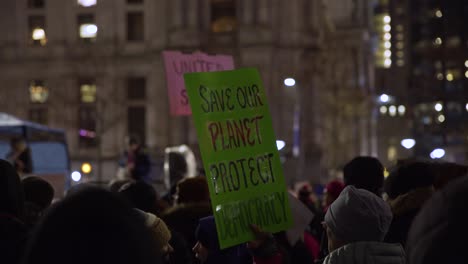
{"x": 408, "y": 143}
{"x": 289, "y": 82}
{"x": 437, "y": 153}
{"x": 76, "y": 176}
{"x": 384, "y": 98}
{"x": 280, "y": 144}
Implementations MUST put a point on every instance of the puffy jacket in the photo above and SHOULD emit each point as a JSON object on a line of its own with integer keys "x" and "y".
{"x": 367, "y": 253}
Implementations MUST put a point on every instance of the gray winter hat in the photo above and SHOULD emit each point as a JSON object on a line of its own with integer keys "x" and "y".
{"x": 358, "y": 215}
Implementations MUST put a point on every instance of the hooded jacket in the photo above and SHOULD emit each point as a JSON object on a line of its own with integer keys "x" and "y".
{"x": 367, "y": 253}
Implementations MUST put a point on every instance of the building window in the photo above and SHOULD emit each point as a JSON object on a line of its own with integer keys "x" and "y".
{"x": 38, "y": 115}
{"x": 87, "y": 28}
{"x": 136, "y": 122}
{"x": 87, "y": 91}
{"x": 136, "y": 88}
{"x": 223, "y": 16}
{"x": 36, "y": 3}
{"x": 135, "y": 26}
{"x": 86, "y": 3}
{"x": 87, "y": 125}
{"x": 37, "y": 34}
{"x": 134, "y": 1}
{"x": 38, "y": 92}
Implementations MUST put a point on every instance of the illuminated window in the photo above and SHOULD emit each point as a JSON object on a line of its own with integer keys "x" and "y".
{"x": 87, "y": 29}
{"x": 37, "y": 32}
{"x": 387, "y": 63}
{"x": 38, "y": 92}
{"x": 392, "y": 110}
{"x": 88, "y": 92}
{"x": 449, "y": 76}
{"x": 223, "y": 16}
{"x": 401, "y": 110}
{"x": 441, "y": 118}
{"x": 387, "y": 19}
{"x": 36, "y": 3}
{"x": 135, "y": 26}
{"x": 86, "y": 3}
{"x": 383, "y": 109}
{"x": 392, "y": 153}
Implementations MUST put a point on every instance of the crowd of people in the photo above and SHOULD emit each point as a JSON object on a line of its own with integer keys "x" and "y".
{"x": 416, "y": 215}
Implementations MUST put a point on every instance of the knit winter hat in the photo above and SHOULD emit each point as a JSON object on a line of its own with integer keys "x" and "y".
{"x": 358, "y": 215}
{"x": 159, "y": 229}
{"x": 334, "y": 188}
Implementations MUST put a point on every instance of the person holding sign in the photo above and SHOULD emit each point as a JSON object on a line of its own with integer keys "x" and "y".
{"x": 240, "y": 157}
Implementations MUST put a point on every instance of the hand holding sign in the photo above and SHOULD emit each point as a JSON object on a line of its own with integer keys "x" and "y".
{"x": 239, "y": 153}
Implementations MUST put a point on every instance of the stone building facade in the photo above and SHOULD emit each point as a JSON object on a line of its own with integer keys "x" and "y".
{"x": 96, "y": 70}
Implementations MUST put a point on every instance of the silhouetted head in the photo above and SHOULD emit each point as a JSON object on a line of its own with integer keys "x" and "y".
{"x": 141, "y": 195}
{"x": 365, "y": 173}
{"x": 409, "y": 177}
{"x": 193, "y": 190}
{"x": 91, "y": 225}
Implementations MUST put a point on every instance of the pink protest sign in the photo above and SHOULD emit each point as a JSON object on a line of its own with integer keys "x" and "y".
{"x": 177, "y": 63}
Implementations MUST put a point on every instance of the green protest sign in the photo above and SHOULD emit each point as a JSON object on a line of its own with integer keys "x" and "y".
{"x": 238, "y": 148}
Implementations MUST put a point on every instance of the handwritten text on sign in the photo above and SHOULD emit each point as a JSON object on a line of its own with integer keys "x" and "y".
{"x": 177, "y": 64}
{"x": 239, "y": 153}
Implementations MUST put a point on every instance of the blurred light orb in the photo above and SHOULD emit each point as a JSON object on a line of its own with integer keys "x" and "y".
{"x": 38, "y": 34}
{"x": 438, "y": 107}
{"x": 76, "y": 176}
{"x": 408, "y": 143}
{"x": 384, "y": 98}
{"x": 88, "y": 30}
{"x": 383, "y": 109}
{"x": 392, "y": 110}
{"x": 387, "y": 19}
{"x": 401, "y": 109}
{"x": 86, "y": 3}
{"x": 280, "y": 144}
{"x": 441, "y": 118}
{"x": 437, "y": 153}
{"x": 289, "y": 82}
{"x": 86, "y": 168}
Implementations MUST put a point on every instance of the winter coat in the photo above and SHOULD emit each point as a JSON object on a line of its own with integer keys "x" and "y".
{"x": 405, "y": 208}
{"x": 438, "y": 234}
{"x": 367, "y": 252}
